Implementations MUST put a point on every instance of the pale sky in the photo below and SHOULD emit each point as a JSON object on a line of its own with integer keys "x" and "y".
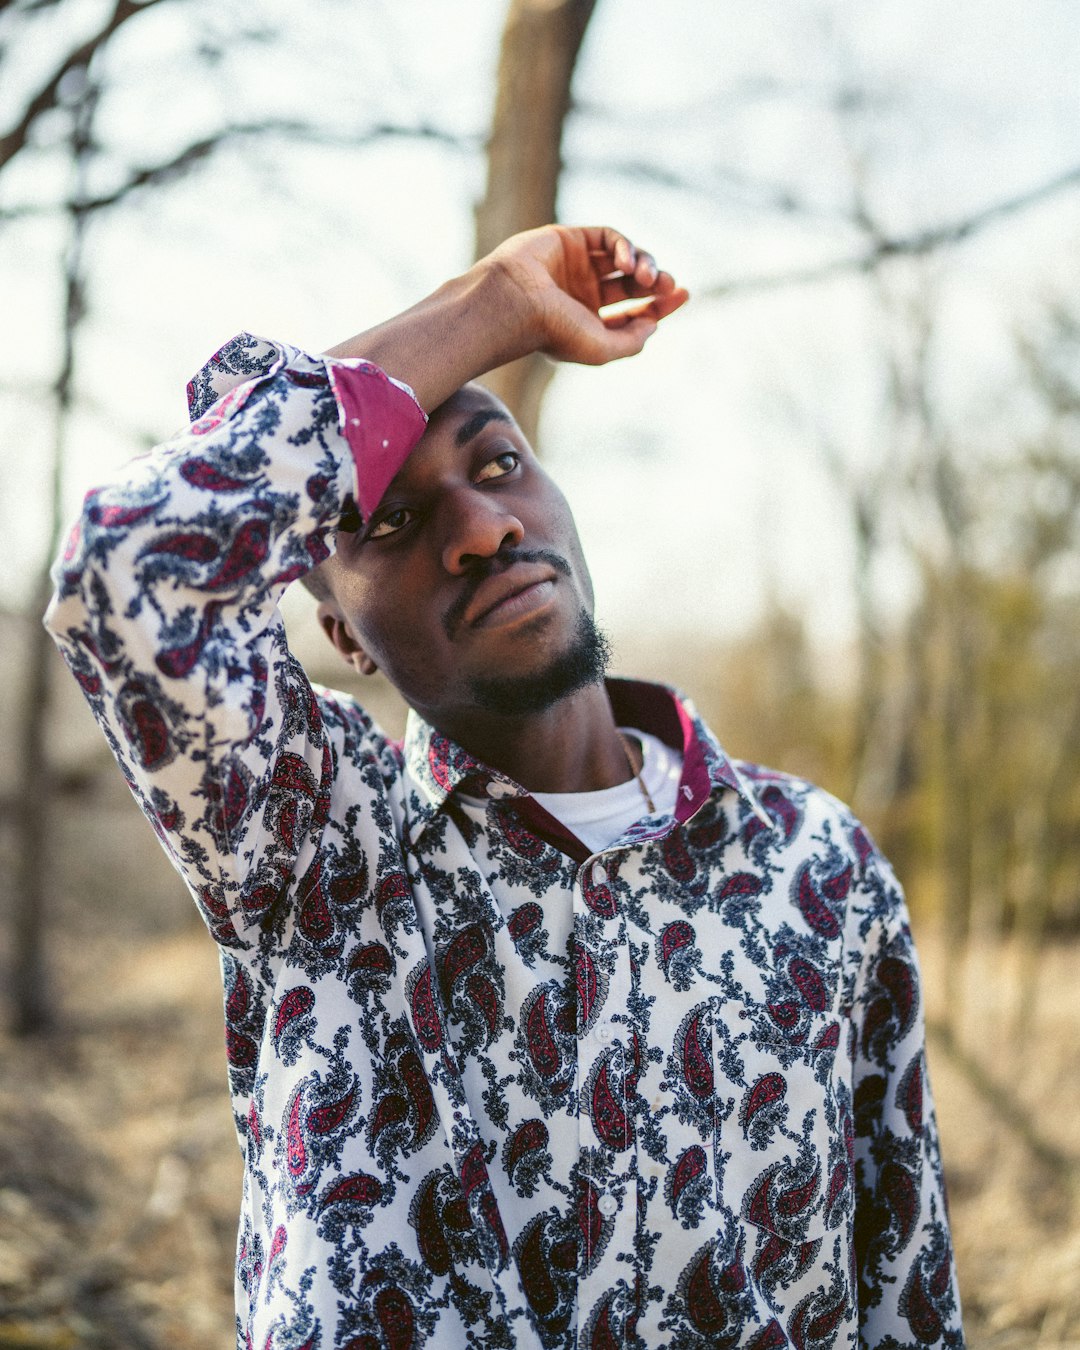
{"x": 695, "y": 470}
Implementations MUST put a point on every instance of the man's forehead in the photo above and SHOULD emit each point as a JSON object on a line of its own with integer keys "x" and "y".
{"x": 467, "y": 411}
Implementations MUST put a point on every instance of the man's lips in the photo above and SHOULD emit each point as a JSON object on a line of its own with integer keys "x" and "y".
{"x": 519, "y": 589}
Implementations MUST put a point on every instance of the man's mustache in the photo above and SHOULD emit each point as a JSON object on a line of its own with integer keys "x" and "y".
{"x": 483, "y": 568}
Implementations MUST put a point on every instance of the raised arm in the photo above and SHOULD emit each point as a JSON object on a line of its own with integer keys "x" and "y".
{"x": 539, "y": 291}
{"x": 167, "y": 593}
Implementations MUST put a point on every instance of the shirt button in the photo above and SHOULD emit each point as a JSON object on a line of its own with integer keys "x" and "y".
{"x": 607, "y": 1205}
{"x": 605, "y": 1032}
{"x": 497, "y": 790}
{"x": 599, "y": 874}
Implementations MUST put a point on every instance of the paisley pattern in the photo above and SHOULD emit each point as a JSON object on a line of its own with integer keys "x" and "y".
{"x": 491, "y": 1089}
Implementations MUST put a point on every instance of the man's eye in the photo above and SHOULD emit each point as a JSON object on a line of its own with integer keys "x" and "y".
{"x": 390, "y": 523}
{"x": 502, "y": 464}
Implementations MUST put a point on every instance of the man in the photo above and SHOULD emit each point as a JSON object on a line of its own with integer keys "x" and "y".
{"x": 552, "y": 1026}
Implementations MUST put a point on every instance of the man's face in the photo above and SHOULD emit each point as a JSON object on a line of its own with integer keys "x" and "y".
{"x": 468, "y": 587}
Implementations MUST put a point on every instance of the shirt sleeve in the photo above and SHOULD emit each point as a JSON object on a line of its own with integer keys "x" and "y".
{"x": 906, "y": 1270}
{"x": 166, "y": 611}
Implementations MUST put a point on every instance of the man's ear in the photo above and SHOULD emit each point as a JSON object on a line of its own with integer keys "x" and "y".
{"x": 342, "y": 638}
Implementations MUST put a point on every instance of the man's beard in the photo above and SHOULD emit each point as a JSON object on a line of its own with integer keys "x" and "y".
{"x": 584, "y": 662}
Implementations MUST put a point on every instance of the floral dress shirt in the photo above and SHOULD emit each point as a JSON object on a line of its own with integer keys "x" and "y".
{"x": 491, "y": 1089}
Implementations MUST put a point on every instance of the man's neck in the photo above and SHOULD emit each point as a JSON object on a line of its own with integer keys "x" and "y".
{"x": 573, "y": 746}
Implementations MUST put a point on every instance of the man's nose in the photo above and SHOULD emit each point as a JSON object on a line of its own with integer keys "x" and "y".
{"x": 476, "y": 527}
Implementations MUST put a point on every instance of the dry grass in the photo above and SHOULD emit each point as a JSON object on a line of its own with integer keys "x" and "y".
{"x": 119, "y": 1172}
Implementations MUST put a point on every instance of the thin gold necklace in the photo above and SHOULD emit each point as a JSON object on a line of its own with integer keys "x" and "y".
{"x": 625, "y": 740}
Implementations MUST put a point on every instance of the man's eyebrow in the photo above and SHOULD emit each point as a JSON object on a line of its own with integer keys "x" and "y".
{"x": 477, "y": 422}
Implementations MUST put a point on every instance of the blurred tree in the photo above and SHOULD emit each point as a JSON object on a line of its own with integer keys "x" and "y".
{"x": 541, "y": 40}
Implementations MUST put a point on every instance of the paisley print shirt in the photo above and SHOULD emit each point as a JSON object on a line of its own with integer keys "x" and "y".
{"x": 492, "y": 1089}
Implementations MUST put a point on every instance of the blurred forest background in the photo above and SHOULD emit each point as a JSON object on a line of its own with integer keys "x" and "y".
{"x": 837, "y": 502}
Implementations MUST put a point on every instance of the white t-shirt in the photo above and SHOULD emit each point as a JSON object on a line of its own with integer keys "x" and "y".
{"x": 598, "y": 818}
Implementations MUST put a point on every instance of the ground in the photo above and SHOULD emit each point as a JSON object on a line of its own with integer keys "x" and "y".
{"x": 120, "y": 1174}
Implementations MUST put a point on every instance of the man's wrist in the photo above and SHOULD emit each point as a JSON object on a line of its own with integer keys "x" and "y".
{"x": 468, "y": 326}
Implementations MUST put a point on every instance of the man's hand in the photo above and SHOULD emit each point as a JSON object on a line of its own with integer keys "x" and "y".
{"x": 567, "y": 277}
{"x": 543, "y": 290}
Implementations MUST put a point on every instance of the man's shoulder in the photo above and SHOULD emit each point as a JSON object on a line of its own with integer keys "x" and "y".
{"x": 813, "y": 818}
{"x": 353, "y": 731}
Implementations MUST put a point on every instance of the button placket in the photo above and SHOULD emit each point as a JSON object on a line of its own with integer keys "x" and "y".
{"x": 609, "y": 1040}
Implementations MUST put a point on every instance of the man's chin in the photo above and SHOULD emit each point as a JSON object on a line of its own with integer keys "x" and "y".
{"x": 521, "y": 694}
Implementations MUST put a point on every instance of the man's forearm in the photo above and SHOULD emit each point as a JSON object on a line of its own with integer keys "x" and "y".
{"x": 465, "y": 328}
{"x": 543, "y": 290}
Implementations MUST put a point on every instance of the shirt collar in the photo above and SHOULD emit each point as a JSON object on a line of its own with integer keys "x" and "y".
{"x": 440, "y": 768}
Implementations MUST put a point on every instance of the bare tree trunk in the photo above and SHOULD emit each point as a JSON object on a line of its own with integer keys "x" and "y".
{"x": 33, "y": 1008}
{"x": 540, "y": 44}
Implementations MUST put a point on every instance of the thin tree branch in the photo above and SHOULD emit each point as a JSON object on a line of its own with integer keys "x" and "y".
{"x": 194, "y": 154}
{"x": 48, "y": 95}
{"x": 886, "y": 248}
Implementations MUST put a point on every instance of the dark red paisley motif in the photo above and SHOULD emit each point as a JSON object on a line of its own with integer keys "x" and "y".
{"x": 148, "y": 734}
{"x": 704, "y": 1309}
{"x": 676, "y": 857}
{"x": 609, "y": 1119}
{"x": 178, "y": 662}
{"x": 391, "y": 1110}
{"x": 837, "y": 1184}
{"x": 520, "y": 839}
{"x": 810, "y": 983}
{"x": 296, "y": 1151}
{"x": 689, "y": 1167}
{"x": 813, "y": 907}
{"x": 706, "y": 835}
{"x": 187, "y": 544}
{"x": 539, "y": 1287}
{"x": 240, "y": 1050}
{"x": 358, "y": 1189}
{"x": 601, "y": 1333}
{"x": 200, "y": 473}
{"x": 768, "y": 1089}
{"x": 372, "y": 956}
{"x": 770, "y": 1337}
{"x": 295, "y": 1004}
{"x": 901, "y": 1195}
{"x": 896, "y": 976}
{"x": 817, "y": 1331}
{"x": 782, "y": 809}
{"x": 419, "y": 1090}
{"x": 598, "y": 897}
{"x": 249, "y": 549}
{"x": 291, "y": 773}
{"x": 922, "y": 1316}
{"x": 909, "y": 1095}
{"x": 425, "y": 1218}
{"x": 525, "y": 920}
{"x": 465, "y": 950}
{"x": 740, "y": 883}
{"x": 426, "y": 1021}
{"x": 588, "y": 984}
{"x": 696, "y": 1058}
{"x": 396, "y": 1317}
{"x": 673, "y": 938}
{"x": 394, "y": 886}
{"x": 239, "y": 1000}
{"x": 543, "y": 1051}
{"x": 530, "y": 1136}
{"x": 323, "y": 1119}
{"x": 113, "y": 517}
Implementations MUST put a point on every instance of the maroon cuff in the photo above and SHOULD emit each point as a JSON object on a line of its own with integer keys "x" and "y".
{"x": 382, "y": 423}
